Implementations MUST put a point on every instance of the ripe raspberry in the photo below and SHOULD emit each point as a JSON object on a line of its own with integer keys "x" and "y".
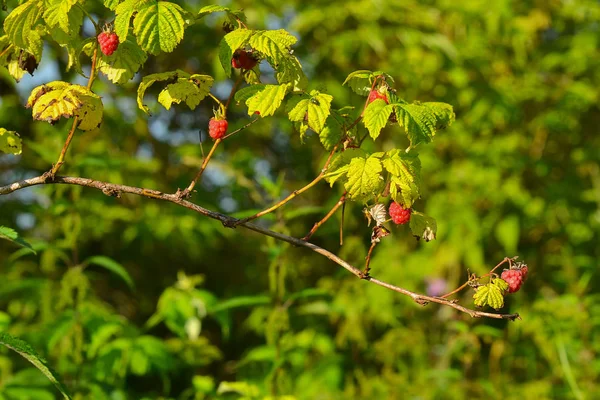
{"x": 524, "y": 271}
{"x": 243, "y": 59}
{"x": 376, "y": 94}
{"x": 217, "y": 128}
{"x": 399, "y": 214}
{"x": 109, "y": 41}
{"x": 514, "y": 278}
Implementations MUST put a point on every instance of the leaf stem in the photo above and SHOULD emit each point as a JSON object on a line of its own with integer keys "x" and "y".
{"x": 63, "y": 152}
{"x": 6, "y": 50}
{"x": 96, "y": 26}
{"x": 242, "y": 128}
{"x": 464, "y": 285}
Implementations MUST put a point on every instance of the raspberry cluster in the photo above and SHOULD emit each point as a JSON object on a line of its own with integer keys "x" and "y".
{"x": 376, "y": 94}
{"x": 399, "y": 214}
{"x": 515, "y": 277}
{"x": 243, "y": 59}
{"x": 109, "y": 42}
{"x": 217, "y": 128}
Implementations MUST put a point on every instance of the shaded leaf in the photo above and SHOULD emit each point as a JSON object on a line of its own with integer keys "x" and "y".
{"x": 423, "y": 226}
{"x": 112, "y": 266}
{"x": 13, "y": 236}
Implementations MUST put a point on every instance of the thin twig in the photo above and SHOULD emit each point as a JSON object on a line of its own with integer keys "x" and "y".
{"x": 187, "y": 192}
{"x": 326, "y": 217}
{"x": 368, "y": 260}
{"x": 242, "y": 128}
{"x": 114, "y": 190}
{"x": 63, "y": 152}
{"x": 6, "y": 50}
{"x": 233, "y": 89}
{"x": 295, "y": 192}
{"x": 96, "y": 26}
{"x": 464, "y": 285}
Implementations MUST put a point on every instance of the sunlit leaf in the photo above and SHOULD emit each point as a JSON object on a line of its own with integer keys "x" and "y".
{"x": 10, "y": 142}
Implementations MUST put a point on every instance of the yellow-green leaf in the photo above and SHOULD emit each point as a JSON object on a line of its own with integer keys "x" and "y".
{"x": 364, "y": 177}
{"x": 405, "y": 171}
{"x": 21, "y": 27}
{"x": 376, "y": 117}
{"x": 191, "y": 90}
{"x": 422, "y": 120}
{"x": 315, "y": 108}
{"x": 10, "y": 142}
{"x": 59, "y": 99}
{"x": 229, "y": 44}
{"x": 122, "y": 65}
{"x": 359, "y": 82}
{"x": 56, "y": 13}
{"x": 490, "y": 294}
{"x": 267, "y": 100}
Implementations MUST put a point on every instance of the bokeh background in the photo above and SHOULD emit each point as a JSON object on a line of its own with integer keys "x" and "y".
{"x": 213, "y": 309}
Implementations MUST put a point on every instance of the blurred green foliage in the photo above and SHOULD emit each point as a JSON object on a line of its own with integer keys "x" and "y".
{"x": 134, "y": 299}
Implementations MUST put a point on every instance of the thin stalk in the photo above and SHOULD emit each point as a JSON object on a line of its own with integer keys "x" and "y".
{"x": 189, "y": 189}
{"x": 329, "y": 214}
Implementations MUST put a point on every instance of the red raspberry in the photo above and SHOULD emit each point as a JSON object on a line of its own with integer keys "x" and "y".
{"x": 243, "y": 59}
{"x": 109, "y": 41}
{"x": 514, "y": 278}
{"x": 524, "y": 271}
{"x": 376, "y": 94}
{"x": 217, "y": 128}
{"x": 399, "y": 214}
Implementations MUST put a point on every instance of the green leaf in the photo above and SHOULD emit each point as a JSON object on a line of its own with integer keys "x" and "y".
{"x": 158, "y": 25}
{"x": 122, "y": 65}
{"x": 229, "y": 44}
{"x": 491, "y": 294}
{"x": 276, "y": 46}
{"x": 421, "y": 121}
{"x": 111, "y": 4}
{"x": 501, "y": 284}
{"x": 364, "y": 177}
{"x": 9, "y": 58}
{"x": 56, "y": 13}
{"x": 376, "y": 116}
{"x": 360, "y": 82}
{"x": 206, "y": 10}
{"x": 315, "y": 107}
{"x": 10, "y": 142}
{"x": 243, "y": 388}
{"x": 112, "y": 266}
{"x": 341, "y": 163}
{"x": 191, "y": 90}
{"x": 266, "y": 99}
{"x": 423, "y": 226}
{"x": 59, "y": 99}
{"x": 27, "y": 352}
{"x": 21, "y": 26}
{"x": 335, "y": 127}
{"x": 185, "y": 90}
{"x": 13, "y": 236}
{"x": 405, "y": 171}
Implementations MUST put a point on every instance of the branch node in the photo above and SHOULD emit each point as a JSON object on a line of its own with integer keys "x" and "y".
{"x": 231, "y": 222}
{"x": 183, "y": 194}
{"x": 111, "y": 192}
{"x": 420, "y": 301}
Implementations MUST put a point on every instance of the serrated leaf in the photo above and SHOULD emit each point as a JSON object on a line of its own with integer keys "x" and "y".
{"x": 59, "y": 99}
{"x": 21, "y": 27}
{"x": 56, "y": 13}
{"x": 364, "y": 177}
{"x": 405, "y": 171}
{"x": 10, "y": 143}
{"x": 149, "y": 80}
{"x": 245, "y": 93}
{"x": 267, "y": 100}
{"x": 9, "y": 58}
{"x": 206, "y": 10}
{"x": 276, "y": 46}
{"x": 341, "y": 163}
{"x": 229, "y": 44}
{"x": 423, "y": 226}
{"x": 315, "y": 108}
{"x": 112, "y": 266}
{"x": 332, "y": 132}
{"x": 158, "y": 25}
{"x": 360, "y": 82}
{"x": 27, "y": 352}
{"x": 489, "y": 294}
{"x": 501, "y": 284}
{"x": 12, "y": 235}
{"x": 376, "y": 117}
{"x": 122, "y": 65}
{"x": 191, "y": 90}
{"x": 421, "y": 121}
{"x": 111, "y": 4}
